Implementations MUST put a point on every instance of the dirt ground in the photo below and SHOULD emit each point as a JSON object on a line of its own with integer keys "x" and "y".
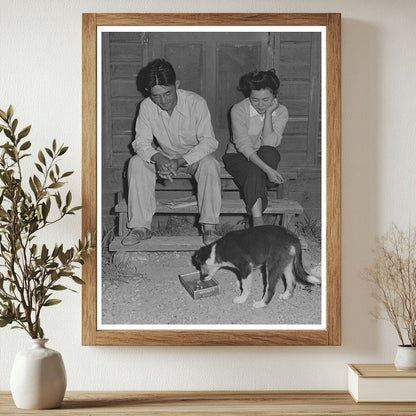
{"x": 144, "y": 288}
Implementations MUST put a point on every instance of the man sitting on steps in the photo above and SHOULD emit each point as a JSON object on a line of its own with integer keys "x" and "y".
{"x": 180, "y": 121}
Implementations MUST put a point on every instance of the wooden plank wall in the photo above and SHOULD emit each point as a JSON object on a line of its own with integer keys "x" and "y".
{"x": 124, "y": 60}
{"x": 296, "y": 58}
{"x": 298, "y": 62}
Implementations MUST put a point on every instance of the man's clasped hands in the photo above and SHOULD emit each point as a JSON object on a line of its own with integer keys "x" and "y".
{"x": 167, "y": 168}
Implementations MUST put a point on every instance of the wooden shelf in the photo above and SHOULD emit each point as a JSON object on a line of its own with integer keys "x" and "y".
{"x": 221, "y": 403}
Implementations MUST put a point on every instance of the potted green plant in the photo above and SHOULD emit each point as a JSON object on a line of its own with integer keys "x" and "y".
{"x": 32, "y": 272}
{"x": 393, "y": 278}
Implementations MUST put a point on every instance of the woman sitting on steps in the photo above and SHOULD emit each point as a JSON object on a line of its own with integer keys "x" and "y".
{"x": 257, "y": 125}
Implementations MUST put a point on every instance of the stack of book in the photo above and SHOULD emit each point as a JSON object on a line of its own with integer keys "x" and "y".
{"x": 381, "y": 383}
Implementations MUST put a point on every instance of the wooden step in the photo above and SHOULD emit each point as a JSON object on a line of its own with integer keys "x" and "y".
{"x": 283, "y": 209}
{"x": 165, "y": 243}
{"x": 228, "y": 206}
{"x": 182, "y": 181}
{"x": 176, "y": 243}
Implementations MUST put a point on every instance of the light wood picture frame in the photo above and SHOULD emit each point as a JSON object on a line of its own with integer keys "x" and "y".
{"x": 329, "y": 333}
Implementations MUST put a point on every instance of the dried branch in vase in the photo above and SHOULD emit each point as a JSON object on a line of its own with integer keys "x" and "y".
{"x": 393, "y": 277}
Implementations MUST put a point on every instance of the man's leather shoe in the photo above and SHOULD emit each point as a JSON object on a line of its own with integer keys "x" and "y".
{"x": 135, "y": 236}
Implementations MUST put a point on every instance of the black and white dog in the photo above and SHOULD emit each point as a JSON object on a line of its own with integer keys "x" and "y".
{"x": 274, "y": 250}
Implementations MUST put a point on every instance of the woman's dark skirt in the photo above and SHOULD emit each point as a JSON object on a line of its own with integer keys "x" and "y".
{"x": 251, "y": 180}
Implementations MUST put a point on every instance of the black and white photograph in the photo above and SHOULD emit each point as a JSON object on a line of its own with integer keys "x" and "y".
{"x": 211, "y": 189}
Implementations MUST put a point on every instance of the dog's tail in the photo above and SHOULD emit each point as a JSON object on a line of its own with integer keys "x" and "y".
{"x": 300, "y": 274}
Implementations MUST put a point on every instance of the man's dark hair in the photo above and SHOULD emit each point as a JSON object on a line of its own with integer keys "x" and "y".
{"x": 157, "y": 72}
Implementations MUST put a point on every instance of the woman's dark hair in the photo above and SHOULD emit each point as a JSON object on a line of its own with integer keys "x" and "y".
{"x": 259, "y": 80}
{"x": 157, "y": 72}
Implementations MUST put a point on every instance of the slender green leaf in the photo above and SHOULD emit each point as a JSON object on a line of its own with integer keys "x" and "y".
{"x": 51, "y": 302}
{"x": 56, "y": 185}
{"x": 39, "y": 167}
{"x": 77, "y": 208}
{"x": 40, "y": 332}
{"x": 25, "y": 145}
{"x": 67, "y": 174}
{"x": 32, "y": 186}
{"x": 58, "y": 199}
{"x": 10, "y": 112}
{"x": 44, "y": 253}
{"x": 8, "y": 133}
{"x": 62, "y": 257}
{"x": 45, "y": 211}
{"x": 68, "y": 199}
{"x": 76, "y": 279}
{"x": 24, "y": 133}
{"x": 37, "y": 182}
{"x": 55, "y": 251}
{"x": 23, "y": 156}
{"x": 41, "y": 157}
{"x": 63, "y": 150}
{"x": 14, "y": 125}
{"x": 54, "y": 276}
{"x": 59, "y": 287}
{"x": 5, "y": 321}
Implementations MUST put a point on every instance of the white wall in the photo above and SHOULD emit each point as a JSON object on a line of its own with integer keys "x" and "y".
{"x": 40, "y": 74}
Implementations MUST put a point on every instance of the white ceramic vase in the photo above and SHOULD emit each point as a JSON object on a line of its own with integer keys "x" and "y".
{"x": 405, "y": 358}
{"x": 38, "y": 377}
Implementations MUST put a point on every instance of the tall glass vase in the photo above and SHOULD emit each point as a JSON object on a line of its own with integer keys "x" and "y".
{"x": 38, "y": 377}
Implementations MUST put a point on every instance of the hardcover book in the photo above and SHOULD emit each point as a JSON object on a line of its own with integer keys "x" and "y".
{"x": 381, "y": 383}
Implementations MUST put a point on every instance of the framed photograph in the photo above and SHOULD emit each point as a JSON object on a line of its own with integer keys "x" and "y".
{"x": 148, "y": 287}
